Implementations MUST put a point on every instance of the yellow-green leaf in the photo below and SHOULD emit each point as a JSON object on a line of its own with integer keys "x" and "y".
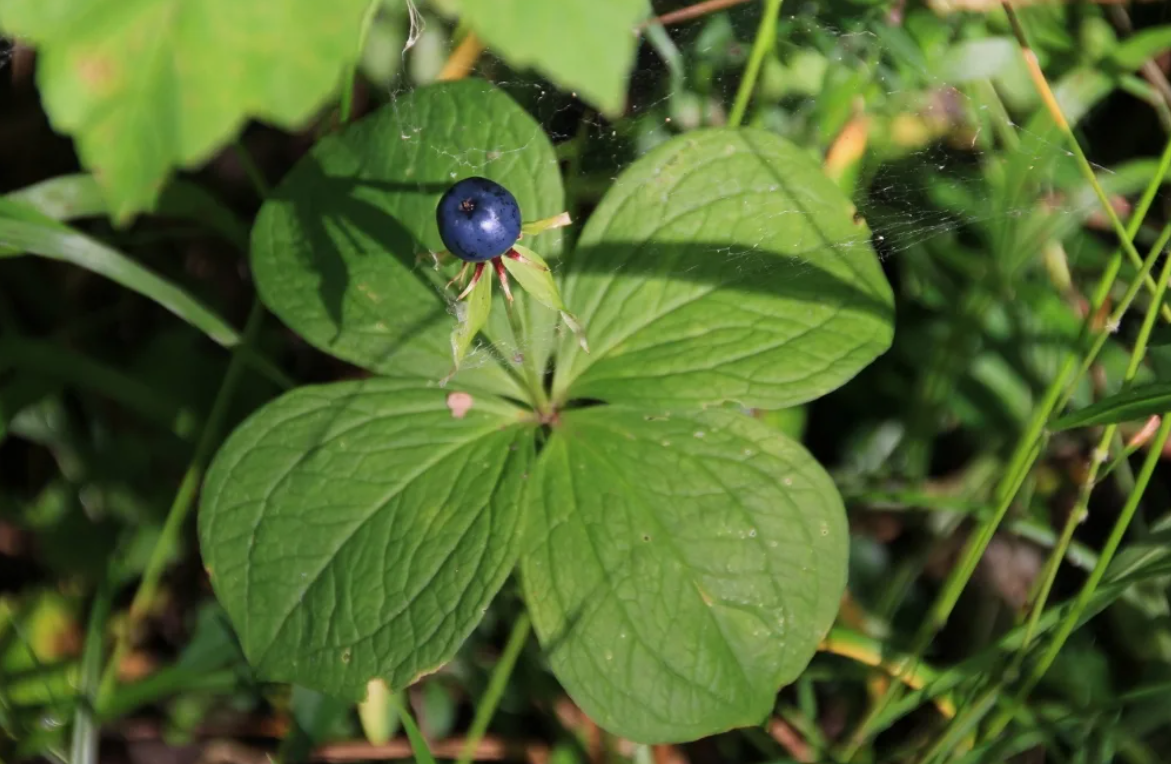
{"x": 583, "y": 46}
{"x": 145, "y": 86}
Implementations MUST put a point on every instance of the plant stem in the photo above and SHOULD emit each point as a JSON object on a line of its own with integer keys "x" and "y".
{"x": 255, "y": 176}
{"x": 691, "y": 12}
{"x": 181, "y": 506}
{"x": 189, "y": 485}
{"x": 1005, "y": 715}
{"x": 84, "y": 741}
{"x": 1026, "y": 453}
{"x": 1000, "y": 721}
{"x": 533, "y": 377}
{"x": 1030, "y": 443}
{"x": 1119, "y": 312}
{"x": 1028, "y": 448}
{"x": 766, "y": 38}
{"x": 418, "y": 742}
{"x": 973, "y": 711}
{"x": 1054, "y": 109}
{"x": 961, "y": 725}
{"x": 463, "y": 59}
{"x": 346, "y": 107}
{"x": 496, "y": 686}
{"x": 870, "y": 652}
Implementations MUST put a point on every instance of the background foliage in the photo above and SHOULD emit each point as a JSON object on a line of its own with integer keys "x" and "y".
{"x": 1001, "y": 465}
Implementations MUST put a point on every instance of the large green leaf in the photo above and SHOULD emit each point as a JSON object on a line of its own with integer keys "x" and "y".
{"x": 358, "y": 530}
{"x": 723, "y": 265}
{"x": 584, "y": 46}
{"x": 148, "y": 85}
{"x": 335, "y": 249}
{"x": 682, "y": 567}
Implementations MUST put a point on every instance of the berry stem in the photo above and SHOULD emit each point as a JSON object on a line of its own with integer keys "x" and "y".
{"x": 534, "y": 378}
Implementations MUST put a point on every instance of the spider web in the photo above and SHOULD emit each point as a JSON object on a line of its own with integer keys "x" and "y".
{"x": 937, "y": 139}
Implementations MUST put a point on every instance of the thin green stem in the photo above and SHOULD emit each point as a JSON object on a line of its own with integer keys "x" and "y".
{"x": 1120, "y": 468}
{"x": 1116, "y": 316}
{"x": 1029, "y": 446}
{"x": 496, "y": 686}
{"x": 962, "y": 724}
{"x": 84, "y": 741}
{"x": 189, "y": 485}
{"x": 533, "y": 377}
{"x": 1087, "y": 170}
{"x": 181, "y": 506}
{"x": 1120, "y": 463}
{"x": 974, "y": 711}
{"x": 766, "y": 38}
{"x": 346, "y": 107}
{"x": 1100, "y": 454}
{"x": 1001, "y": 720}
{"x": 1053, "y": 564}
{"x": 1140, "y": 346}
{"x": 418, "y": 742}
{"x": 252, "y": 170}
{"x": 985, "y": 661}
{"x": 1027, "y": 451}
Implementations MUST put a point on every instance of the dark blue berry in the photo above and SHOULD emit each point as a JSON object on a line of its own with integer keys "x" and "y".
{"x": 478, "y": 219}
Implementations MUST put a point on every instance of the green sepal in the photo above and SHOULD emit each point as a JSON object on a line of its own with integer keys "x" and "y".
{"x": 471, "y": 315}
{"x": 538, "y": 227}
{"x": 534, "y": 276}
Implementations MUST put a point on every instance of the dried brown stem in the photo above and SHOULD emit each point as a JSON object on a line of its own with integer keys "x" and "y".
{"x": 1150, "y": 70}
{"x": 790, "y": 739}
{"x": 489, "y": 749}
{"x": 463, "y": 59}
{"x": 691, "y": 12}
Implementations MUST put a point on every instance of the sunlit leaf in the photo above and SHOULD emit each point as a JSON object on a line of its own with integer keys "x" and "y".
{"x": 584, "y": 46}
{"x": 723, "y": 265}
{"x": 151, "y": 85}
{"x": 683, "y": 567}
{"x": 358, "y": 531}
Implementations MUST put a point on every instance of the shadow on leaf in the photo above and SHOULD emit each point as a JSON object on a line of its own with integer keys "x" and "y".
{"x": 335, "y": 217}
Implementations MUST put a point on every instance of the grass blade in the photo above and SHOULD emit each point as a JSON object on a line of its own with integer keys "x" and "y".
{"x": 418, "y": 742}
{"x": 84, "y": 745}
{"x": 56, "y": 241}
{"x": 496, "y": 686}
{"x": 1136, "y": 403}
{"x": 69, "y": 197}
